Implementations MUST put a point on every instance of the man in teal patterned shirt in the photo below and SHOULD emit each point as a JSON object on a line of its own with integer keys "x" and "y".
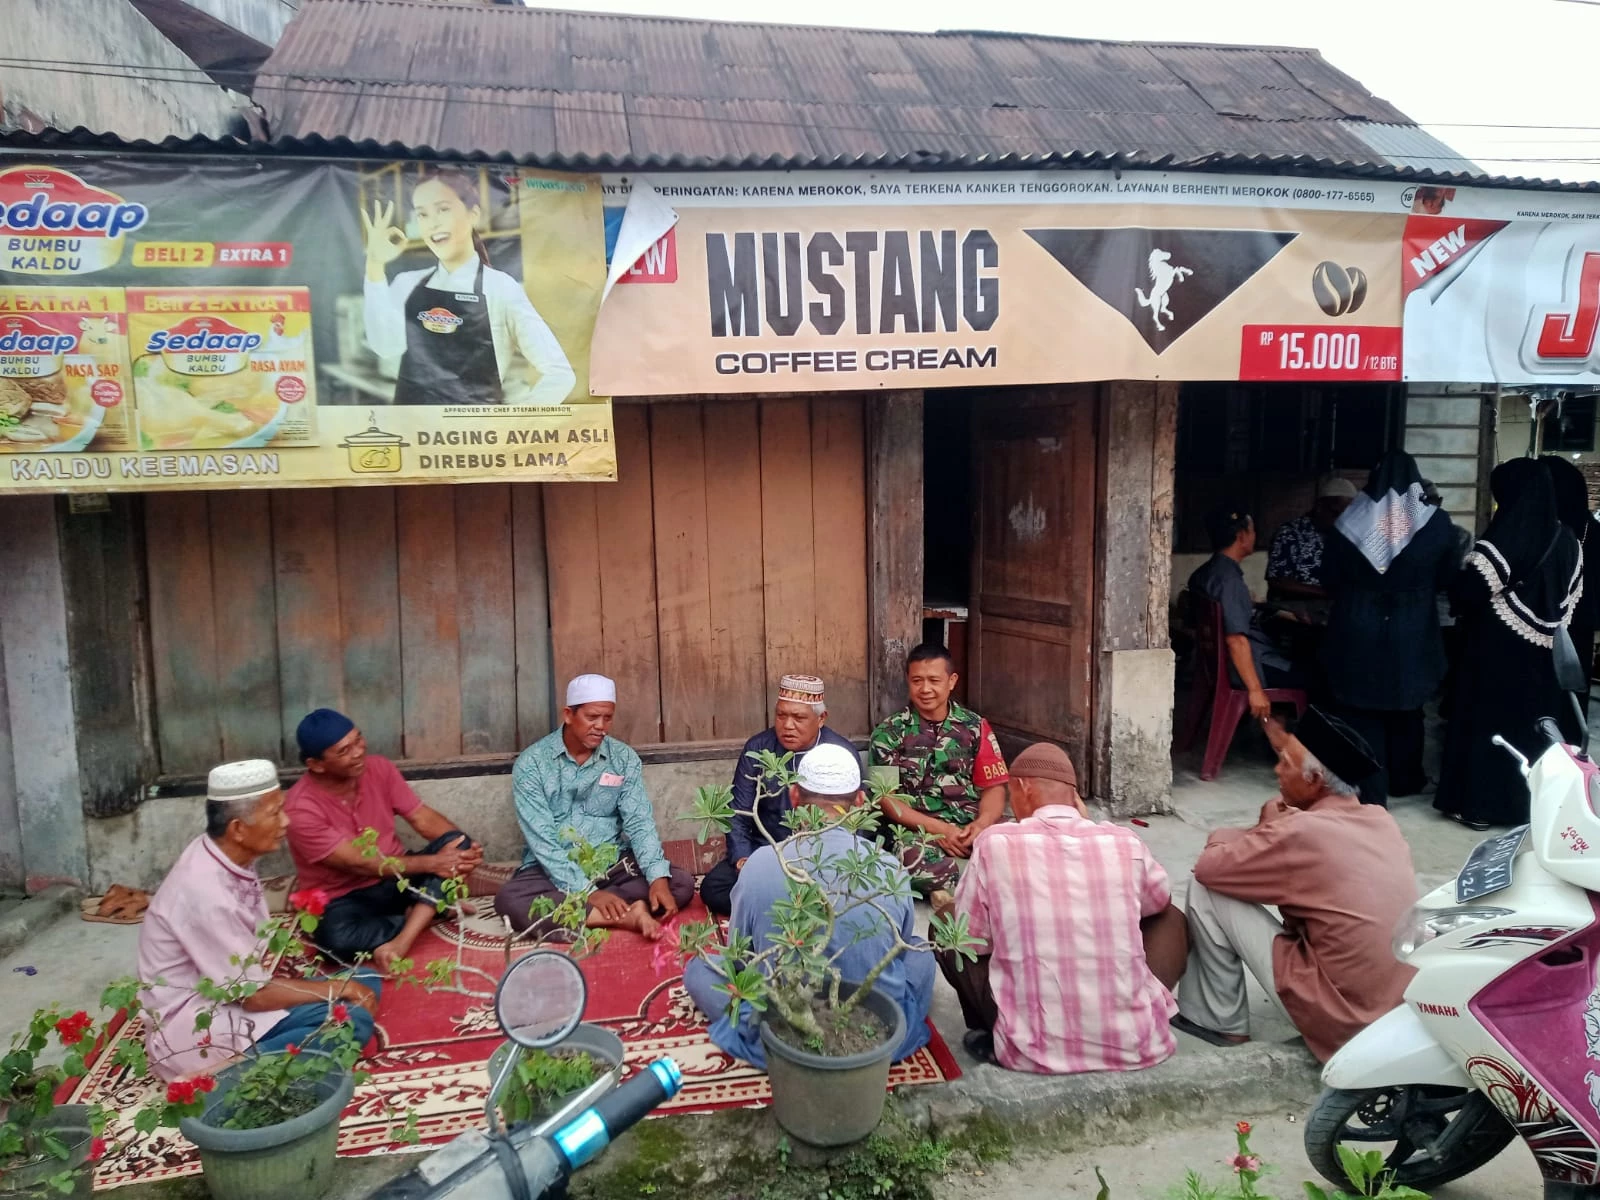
{"x": 580, "y": 782}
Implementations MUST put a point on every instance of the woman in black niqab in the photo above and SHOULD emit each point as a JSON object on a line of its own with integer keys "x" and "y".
{"x": 1519, "y": 586}
{"x": 1572, "y": 507}
{"x": 1383, "y": 655}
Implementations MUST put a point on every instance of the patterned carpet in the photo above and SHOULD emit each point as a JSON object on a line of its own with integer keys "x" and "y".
{"x": 433, "y": 1048}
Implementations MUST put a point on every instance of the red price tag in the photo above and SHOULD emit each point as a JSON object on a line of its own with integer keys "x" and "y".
{"x": 1331, "y": 352}
{"x": 254, "y": 254}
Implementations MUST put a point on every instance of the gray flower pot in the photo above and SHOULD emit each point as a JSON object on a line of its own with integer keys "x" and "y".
{"x": 593, "y": 1040}
{"x": 69, "y": 1122}
{"x": 290, "y": 1161}
{"x": 827, "y": 1101}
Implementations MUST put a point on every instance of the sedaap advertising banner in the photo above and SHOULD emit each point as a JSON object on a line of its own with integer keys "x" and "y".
{"x": 1502, "y": 287}
{"x": 845, "y": 280}
{"x": 239, "y": 323}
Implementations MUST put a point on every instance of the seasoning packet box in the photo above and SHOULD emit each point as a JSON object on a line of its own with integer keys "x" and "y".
{"x": 222, "y": 367}
{"x": 65, "y": 381}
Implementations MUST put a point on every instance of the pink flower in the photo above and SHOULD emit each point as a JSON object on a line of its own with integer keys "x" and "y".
{"x": 97, "y": 1149}
{"x": 341, "y": 1013}
{"x": 664, "y": 956}
{"x": 205, "y": 1084}
{"x": 1244, "y": 1162}
{"x": 291, "y": 1049}
{"x": 1243, "y": 1127}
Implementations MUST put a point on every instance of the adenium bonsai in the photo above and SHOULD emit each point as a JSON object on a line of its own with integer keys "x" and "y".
{"x": 796, "y": 977}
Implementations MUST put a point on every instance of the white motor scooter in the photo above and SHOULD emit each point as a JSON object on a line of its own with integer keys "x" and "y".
{"x": 1499, "y": 1034}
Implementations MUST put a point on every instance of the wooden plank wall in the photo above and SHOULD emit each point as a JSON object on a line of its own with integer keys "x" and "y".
{"x": 445, "y": 620}
{"x": 412, "y": 609}
{"x": 729, "y": 553}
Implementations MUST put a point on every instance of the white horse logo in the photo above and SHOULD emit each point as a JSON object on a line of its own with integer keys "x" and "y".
{"x": 1163, "y": 275}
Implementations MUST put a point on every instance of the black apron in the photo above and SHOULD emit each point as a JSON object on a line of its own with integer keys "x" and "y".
{"x": 449, "y": 355}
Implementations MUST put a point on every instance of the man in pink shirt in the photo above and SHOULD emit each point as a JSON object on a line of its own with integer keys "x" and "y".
{"x": 1084, "y": 943}
{"x": 203, "y": 923}
{"x": 345, "y": 792}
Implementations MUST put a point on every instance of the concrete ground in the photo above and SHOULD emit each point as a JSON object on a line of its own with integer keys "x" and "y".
{"x": 1153, "y": 1167}
{"x": 1114, "y": 1114}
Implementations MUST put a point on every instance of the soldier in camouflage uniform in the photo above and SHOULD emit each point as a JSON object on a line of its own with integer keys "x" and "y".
{"x": 950, "y": 765}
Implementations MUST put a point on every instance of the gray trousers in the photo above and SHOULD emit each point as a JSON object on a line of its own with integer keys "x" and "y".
{"x": 1227, "y": 937}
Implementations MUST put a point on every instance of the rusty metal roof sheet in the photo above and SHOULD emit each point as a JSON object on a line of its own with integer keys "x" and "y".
{"x": 567, "y": 88}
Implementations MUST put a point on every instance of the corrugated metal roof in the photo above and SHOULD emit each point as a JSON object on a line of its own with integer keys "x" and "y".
{"x": 87, "y": 141}
{"x": 630, "y": 91}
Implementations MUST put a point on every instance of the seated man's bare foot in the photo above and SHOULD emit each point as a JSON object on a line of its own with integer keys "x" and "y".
{"x": 642, "y": 922}
{"x": 385, "y": 956}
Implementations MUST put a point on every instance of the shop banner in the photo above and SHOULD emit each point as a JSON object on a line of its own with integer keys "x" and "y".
{"x": 238, "y": 323}
{"x": 1502, "y": 287}
{"x": 842, "y": 280}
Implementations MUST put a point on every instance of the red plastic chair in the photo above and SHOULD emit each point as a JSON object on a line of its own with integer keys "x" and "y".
{"x": 1213, "y": 688}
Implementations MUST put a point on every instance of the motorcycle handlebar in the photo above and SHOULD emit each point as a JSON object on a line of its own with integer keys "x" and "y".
{"x": 546, "y": 1161}
{"x": 618, "y": 1110}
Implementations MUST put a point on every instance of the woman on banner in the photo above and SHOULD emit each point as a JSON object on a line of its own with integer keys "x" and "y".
{"x": 454, "y": 326}
{"x": 1518, "y": 589}
{"x": 1390, "y": 557}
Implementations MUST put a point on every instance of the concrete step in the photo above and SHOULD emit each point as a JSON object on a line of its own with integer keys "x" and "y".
{"x": 21, "y": 919}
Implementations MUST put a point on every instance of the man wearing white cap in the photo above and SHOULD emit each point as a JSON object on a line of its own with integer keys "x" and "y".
{"x": 202, "y": 923}
{"x": 830, "y": 776}
{"x": 581, "y": 780}
{"x": 799, "y": 724}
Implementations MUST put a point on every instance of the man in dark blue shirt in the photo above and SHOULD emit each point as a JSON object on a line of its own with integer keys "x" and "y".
{"x": 798, "y": 725}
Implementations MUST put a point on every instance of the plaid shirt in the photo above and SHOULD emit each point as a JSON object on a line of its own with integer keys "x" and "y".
{"x": 1059, "y": 898}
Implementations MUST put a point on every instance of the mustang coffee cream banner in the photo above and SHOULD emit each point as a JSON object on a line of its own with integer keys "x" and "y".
{"x": 844, "y": 280}
{"x": 1502, "y": 287}
{"x": 236, "y": 323}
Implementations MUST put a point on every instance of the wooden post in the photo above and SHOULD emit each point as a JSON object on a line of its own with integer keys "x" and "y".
{"x": 1130, "y": 769}
{"x": 103, "y": 589}
{"x": 894, "y": 541}
{"x": 33, "y": 649}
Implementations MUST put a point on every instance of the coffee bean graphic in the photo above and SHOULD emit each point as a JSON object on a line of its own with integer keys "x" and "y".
{"x": 1358, "y": 288}
{"x": 1330, "y": 285}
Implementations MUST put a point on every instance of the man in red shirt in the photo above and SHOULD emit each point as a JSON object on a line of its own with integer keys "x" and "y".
{"x": 1083, "y": 942}
{"x": 345, "y": 792}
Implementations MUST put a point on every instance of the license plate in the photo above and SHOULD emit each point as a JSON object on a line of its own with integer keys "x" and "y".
{"x": 1489, "y": 866}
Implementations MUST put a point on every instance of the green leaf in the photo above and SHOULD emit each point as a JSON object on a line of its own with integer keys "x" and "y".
{"x": 146, "y": 1120}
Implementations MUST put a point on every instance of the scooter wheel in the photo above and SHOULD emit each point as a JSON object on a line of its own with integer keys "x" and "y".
{"x": 1428, "y": 1135}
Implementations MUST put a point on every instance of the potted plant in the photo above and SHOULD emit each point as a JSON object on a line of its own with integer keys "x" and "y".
{"x": 268, "y": 1128}
{"x": 45, "y": 1147}
{"x": 49, "y": 1148}
{"x": 544, "y": 1083}
{"x": 828, "y": 1040}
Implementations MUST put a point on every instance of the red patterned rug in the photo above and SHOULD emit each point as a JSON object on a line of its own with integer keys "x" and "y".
{"x": 433, "y": 1048}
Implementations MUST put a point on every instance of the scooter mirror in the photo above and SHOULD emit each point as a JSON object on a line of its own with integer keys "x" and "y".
{"x": 541, "y": 998}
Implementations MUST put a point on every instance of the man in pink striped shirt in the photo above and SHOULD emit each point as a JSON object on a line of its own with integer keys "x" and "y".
{"x": 1083, "y": 941}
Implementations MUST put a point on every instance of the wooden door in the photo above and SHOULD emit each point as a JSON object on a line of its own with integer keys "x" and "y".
{"x": 1034, "y": 563}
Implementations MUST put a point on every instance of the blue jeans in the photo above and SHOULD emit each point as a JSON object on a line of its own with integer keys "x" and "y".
{"x": 304, "y": 1020}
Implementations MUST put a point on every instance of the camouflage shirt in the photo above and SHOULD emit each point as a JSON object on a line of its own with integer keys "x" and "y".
{"x": 944, "y": 768}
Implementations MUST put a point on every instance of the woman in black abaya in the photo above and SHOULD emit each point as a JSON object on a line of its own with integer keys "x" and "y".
{"x": 1383, "y": 655}
{"x": 1572, "y": 507}
{"x": 1518, "y": 587}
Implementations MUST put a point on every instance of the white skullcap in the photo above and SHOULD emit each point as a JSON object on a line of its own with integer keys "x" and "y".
{"x": 830, "y": 770}
{"x": 241, "y": 780}
{"x": 591, "y": 689}
{"x": 1336, "y": 487}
